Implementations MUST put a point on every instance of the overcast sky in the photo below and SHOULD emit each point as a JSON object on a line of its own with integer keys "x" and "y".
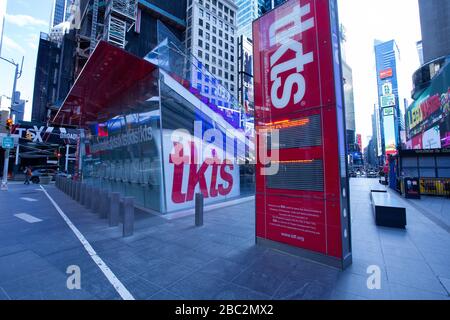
{"x": 366, "y": 20}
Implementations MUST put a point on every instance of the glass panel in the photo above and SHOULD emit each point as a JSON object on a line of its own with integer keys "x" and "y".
{"x": 124, "y": 151}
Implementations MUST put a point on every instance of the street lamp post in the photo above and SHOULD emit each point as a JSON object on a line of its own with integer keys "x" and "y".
{"x": 17, "y": 75}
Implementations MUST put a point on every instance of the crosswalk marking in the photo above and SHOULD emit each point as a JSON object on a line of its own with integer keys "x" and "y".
{"x": 27, "y": 217}
{"x": 29, "y": 199}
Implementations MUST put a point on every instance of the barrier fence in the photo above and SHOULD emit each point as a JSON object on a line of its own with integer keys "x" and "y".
{"x": 435, "y": 187}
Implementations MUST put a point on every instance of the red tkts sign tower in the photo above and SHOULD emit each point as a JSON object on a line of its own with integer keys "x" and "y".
{"x": 302, "y": 194}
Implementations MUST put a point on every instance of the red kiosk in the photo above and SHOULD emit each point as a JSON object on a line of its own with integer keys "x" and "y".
{"x": 302, "y": 195}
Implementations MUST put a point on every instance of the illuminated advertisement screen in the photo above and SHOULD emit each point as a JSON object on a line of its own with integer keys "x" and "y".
{"x": 246, "y": 75}
{"x": 299, "y": 118}
{"x": 428, "y": 118}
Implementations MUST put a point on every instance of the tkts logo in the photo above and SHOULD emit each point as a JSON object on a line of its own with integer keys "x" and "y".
{"x": 290, "y": 57}
{"x": 205, "y": 175}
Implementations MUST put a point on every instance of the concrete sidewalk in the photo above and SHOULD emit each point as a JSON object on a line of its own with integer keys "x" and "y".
{"x": 171, "y": 259}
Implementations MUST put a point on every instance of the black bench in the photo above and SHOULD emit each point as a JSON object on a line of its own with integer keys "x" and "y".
{"x": 387, "y": 210}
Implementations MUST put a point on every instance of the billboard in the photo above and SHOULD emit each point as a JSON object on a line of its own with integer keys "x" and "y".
{"x": 302, "y": 192}
{"x": 246, "y": 75}
{"x": 429, "y": 116}
{"x": 384, "y": 74}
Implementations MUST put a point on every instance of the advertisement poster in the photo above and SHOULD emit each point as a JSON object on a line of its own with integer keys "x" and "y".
{"x": 299, "y": 99}
{"x": 428, "y": 118}
{"x": 217, "y": 179}
{"x": 246, "y": 75}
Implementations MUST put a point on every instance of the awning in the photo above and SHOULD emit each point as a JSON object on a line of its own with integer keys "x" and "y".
{"x": 111, "y": 83}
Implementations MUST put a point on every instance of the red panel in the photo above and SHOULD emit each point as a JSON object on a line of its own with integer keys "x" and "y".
{"x": 111, "y": 81}
{"x": 294, "y": 78}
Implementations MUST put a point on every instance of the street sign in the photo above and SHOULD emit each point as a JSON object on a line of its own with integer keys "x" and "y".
{"x": 8, "y": 143}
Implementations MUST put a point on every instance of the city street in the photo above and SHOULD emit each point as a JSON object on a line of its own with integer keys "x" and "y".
{"x": 169, "y": 258}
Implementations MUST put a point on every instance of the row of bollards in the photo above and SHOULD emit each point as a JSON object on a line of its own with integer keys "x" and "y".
{"x": 107, "y": 205}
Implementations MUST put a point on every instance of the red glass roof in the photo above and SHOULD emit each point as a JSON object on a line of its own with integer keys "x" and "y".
{"x": 111, "y": 82}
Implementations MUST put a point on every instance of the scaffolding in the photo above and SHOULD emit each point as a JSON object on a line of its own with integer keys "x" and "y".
{"x": 120, "y": 16}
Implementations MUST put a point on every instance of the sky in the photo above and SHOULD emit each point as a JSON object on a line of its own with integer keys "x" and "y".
{"x": 25, "y": 19}
{"x": 365, "y": 21}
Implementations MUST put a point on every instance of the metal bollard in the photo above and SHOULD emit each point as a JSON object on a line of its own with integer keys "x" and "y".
{"x": 199, "y": 210}
{"x": 128, "y": 217}
{"x": 77, "y": 191}
{"x": 69, "y": 193}
{"x": 83, "y": 194}
{"x": 88, "y": 204}
{"x": 73, "y": 189}
{"x": 104, "y": 204}
{"x": 114, "y": 209}
{"x": 95, "y": 200}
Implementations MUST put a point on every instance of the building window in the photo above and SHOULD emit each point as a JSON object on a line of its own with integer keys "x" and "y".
{"x": 199, "y": 75}
{"x": 214, "y": 39}
{"x": 200, "y": 42}
{"x": 200, "y": 54}
{"x": 200, "y": 32}
{"x": 207, "y": 56}
{"x": 214, "y": 49}
{"x": 220, "y": 33}
{"x": 208, "y": 26}
{"x": 208, "y": 36}
{"x": 206, "y": 89}
{"x": 207, "y": 46}
{"x": 200, "y": 22}
{"x": 200, "y": 11}
{"x": 226, "y": 75}
{"x": 231, "y": 77}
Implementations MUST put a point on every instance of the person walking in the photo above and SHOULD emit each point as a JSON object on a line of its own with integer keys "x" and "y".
{"x": 28, "y": 174}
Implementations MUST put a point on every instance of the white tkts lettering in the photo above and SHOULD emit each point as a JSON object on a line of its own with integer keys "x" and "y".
{"x": 281, "y": 32}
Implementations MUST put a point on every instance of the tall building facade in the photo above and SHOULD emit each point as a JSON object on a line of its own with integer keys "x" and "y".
{"x": 435, "y": 24}
{"x": 60, "y": 11}
{"x": 211, "y": 37}
{"x": 271, "y": 4}
{"x": 248, "y": 10}
{"x": 46, "y": 77}
{"x": 387, "y": 57}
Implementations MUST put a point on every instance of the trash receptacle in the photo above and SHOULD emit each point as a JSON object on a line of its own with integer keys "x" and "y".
{"x": 411, "y": 188}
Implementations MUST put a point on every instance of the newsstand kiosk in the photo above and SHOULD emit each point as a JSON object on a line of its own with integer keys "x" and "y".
{"x": 302, "y": 191}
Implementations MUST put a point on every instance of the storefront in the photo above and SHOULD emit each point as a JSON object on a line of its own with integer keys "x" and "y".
{"x": 149, "y": 134}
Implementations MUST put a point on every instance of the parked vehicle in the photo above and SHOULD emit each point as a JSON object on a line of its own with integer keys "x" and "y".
{"x": 38, "y": 173}
{"x": 372, "y": 174}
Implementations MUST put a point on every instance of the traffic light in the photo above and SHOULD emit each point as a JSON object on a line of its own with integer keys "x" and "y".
{"x": 9, "y": 124}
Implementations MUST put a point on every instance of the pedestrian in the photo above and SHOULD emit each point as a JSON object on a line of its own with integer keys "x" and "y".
{"x": 28, "y": 174}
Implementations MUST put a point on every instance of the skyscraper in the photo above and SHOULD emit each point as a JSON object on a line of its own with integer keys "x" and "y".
{"x": 211, "y": 38}
{"x": 387, "y": 56}
{"x": 268, "y": 5}
{"x": 435, "y": 23}
{"x": 248, "y": 10}
{"x": 60, "y": 11}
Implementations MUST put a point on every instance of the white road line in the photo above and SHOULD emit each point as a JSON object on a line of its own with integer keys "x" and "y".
{"x": 115, "y": 282}
{"x": 27, "y": 217}
{"x": 29, "y": 199}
